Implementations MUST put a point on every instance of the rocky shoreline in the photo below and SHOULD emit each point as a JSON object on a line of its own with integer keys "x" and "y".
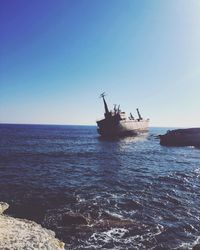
{"x": 19, "y": 234}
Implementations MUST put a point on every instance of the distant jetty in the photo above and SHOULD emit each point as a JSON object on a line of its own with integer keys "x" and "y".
{"x": 25, "y": 234}
{"x": 181, "y": 137}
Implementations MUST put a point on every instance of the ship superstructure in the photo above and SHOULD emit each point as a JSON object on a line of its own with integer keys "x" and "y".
{"x": 115, "y": 122}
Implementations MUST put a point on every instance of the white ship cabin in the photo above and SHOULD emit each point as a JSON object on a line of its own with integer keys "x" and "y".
{"x": 123, "y": 115}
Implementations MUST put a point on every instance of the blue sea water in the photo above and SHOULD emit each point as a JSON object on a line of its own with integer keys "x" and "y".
{"x": 132, "y": 192}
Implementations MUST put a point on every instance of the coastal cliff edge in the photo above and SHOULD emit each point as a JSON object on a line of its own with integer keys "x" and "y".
{"x": 24, "y": 234}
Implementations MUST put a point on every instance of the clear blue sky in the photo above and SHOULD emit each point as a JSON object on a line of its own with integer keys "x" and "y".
{"x": 56, "y": 57}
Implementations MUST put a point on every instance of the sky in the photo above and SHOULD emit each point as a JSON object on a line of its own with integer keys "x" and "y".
{"x": 57, "y": 57}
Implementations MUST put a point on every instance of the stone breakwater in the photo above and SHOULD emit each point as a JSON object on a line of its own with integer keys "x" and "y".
{"x": 24, "y": 234}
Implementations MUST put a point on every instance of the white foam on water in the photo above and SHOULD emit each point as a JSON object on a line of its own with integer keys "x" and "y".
{"x": 197, "y": 172}
{"x": 188, "y": 246}
{"x": 90, "y": 246}
{"x": 97, "y": 197}
{"x": 115, "y": 196}
{"x": 112, "y": 235}
{"x": 80, "y": 199}
{"x": 130, "y": 213}
{"x": 150, "y": 235}
{"x": 160, "y": 229}
{"x": 117, "y": 233}
{"x": 138, "y": 241}
{"x": 114, "y": 214}
{"x": 193, "y": 216}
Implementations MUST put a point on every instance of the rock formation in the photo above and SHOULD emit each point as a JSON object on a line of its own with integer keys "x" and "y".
{"x": 24, "y": 234}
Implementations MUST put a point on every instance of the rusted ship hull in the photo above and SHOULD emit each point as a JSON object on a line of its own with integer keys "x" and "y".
{"x": 122, "y": 128}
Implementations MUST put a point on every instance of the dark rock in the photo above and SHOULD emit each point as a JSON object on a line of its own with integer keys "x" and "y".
{"x": 69, "y": 219}
{"x": 196, "y": 247}
{"x": 181, "y": 137}
{"x": 131, "y": 205}
{"x": 92, "y": 211}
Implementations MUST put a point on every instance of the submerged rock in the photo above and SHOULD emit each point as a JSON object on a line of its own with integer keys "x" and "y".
{"x": 69, "y": 219}
{"x": 25, "y": 234}
{"x": 196, "y": 247}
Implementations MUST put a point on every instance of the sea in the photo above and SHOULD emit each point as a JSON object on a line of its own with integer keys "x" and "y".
{"x": 94, "y": 193}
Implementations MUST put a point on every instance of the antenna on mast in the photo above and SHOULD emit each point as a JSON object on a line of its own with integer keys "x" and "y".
{"x": 102, "y": 95}
{"x": 105, "y": 104}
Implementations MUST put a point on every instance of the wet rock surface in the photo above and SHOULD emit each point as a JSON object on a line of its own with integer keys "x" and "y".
{"x": 92, "y": 226}
{"x": 196, "y": 247}
{"x": 69, "y": 219}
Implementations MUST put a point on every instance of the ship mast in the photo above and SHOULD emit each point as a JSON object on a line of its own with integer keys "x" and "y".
{"x": 140, "y": 117}
{"x": 105, "y": 104}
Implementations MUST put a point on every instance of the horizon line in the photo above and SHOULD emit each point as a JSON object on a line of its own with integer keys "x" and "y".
{"x": 91, "y": 125}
